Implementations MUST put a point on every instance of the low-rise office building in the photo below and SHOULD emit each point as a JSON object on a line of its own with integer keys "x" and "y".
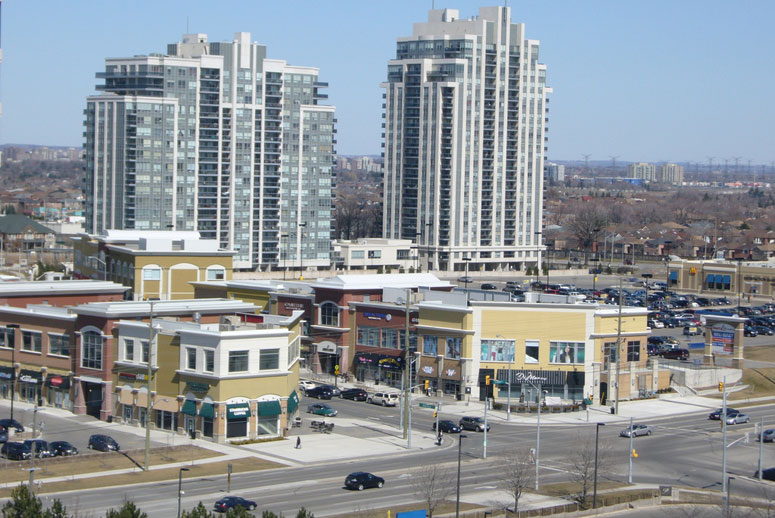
{"x": 377, "y": 254}
{"x": 720, "y": 277}
{"x": 59, "y": 293}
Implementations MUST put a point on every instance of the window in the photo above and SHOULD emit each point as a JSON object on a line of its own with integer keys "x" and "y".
{"x": 531, "y": 351}
{"x": 216, "y": 274}
{"x": 59, "y": 345}
{"x": 498, "y": 350}
{"x": 566, "y": 352}
{"x": 412, "y": 340}
{"x": 402, "y": 254}
{"x": 329, "y": 314}
{"x": 368, "y": 336}
{"x": 144, "y": 345}
{"x": 633, "y": 351}
{"x": 209, "y": 361}
{"x": 152, "y": 274}
{"x": 609, "y": 353}
{"x": 269, "y": 359}
{"x": 453, "y": 348}
{"x": 6, "y": 337}
{"x": 91, "y": 350}
{"x": 32, "y": 341}
{"x": 357, "y": 254}
{"x": 375, "y": 254}
{"x": 430, "y": 345}
{"x": 238, "y": 361}
{"x": 191, "y": 358}
{"x": 390, "y": 338}
{"x": 129, "y": 349}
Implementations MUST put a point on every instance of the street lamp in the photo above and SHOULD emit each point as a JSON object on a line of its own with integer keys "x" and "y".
{"x": 149, "y": 375}
{"x": 104, "y": 266}
{"x": 428, "y": 226}
{"x": 466, "y": 260}
{"x": 538, "y": 431}
{"x": 594, "y": 491}
{"x": 13, "y": 362}
{"x": 180, "y": 486}
{"x": 459, "y": 453}
{"x": 739, "y": 283}
{"x": 301, "y": 251}
{"x": 417, "y": 253}
{"x": 285, "y": 254}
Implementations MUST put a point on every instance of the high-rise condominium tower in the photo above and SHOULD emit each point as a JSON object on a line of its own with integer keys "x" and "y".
{"x": 217, "y": 138}
{"x": 465, "y": 126}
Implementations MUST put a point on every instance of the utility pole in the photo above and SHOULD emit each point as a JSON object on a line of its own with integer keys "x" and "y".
{"x": 538, "y": 433}
{"x": 613, "y": 162}
{"x": 710, "y": 164}
{"x": 586, "y": 163}
{"x": 484, "y": 437}
{"x": 761, "y": 442}
{"x": 629, "y": 476}
{"x": 149, "y": 374}
{"x": 618, "y": 349}
{"x": 724, "y": 442}
{"x": 407, "y": 370}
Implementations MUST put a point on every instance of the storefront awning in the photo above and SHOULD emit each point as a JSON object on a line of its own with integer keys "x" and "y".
{"x": 7, "y": 373}
{"x": 725, "y": 280}
{"x": 293, "y": 402}
{"x": 710, "y": 278}
{"x": 673, "y": 276}
{"x": 269, "y": 408}
{"x": 207, "y": 411}
{"x": 238, "y": 411}
{"x": 57, "y": 381}
{"x": 189, "y": 407}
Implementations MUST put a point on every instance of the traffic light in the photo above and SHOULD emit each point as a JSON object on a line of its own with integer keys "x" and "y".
{"x": 721, "y": 386}
{"x": 427, "y": 384}
{"x": 634, "y": 453}
{"x": 435, "y": 414}
{"x": 336, "y": 370}
{"x": 487, "y": 380}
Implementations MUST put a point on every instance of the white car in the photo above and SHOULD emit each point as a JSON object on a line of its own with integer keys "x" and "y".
{"x": 656, "y": 324}
{"x": 384, "y": 398}
{"x": 306, "y": 385}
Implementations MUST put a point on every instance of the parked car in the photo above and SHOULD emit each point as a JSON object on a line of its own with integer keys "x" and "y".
{"x": 692, "y": 331}
{"x": 39, "y": 448}
{"x": 750, "y": 331}
{"x": 738, "y": 418}
{"x": 675, "y": 354}
{"x": 764, "y": 330}
{"x": 321, "y": 392}
{"x": 355, "y": 394}
{"x": 11, "y": 423}
{"x": 62, "y": 448}
{"x": 101, "y": 442}
{"x": 335, "y": 391}
{"x": 636, "y": 430}
{"x": 3, "y": 434}
{"x": 716, "y": 414}
{"x": 768, "y": 435}
{"x": 655, "y": 324}
{"x": 15, "y": 451}
{"x": 306, "y": 385}
{"x": 488, "y": 286}
{"x": 447, "y": 426}
{"x": 767, "y": 474}
{"x": 384, "y": 398}
{"x": 321, "y": 409}
{"x": 361, "y": 480}
{"x": 232, "y": 502}
{"x": 465, "y": 279}
{"x": 473, "y": 423}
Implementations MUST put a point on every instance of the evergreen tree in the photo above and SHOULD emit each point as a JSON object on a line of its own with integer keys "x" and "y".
{"x": 23, "y": 504}
{"x": 128, "y": 510}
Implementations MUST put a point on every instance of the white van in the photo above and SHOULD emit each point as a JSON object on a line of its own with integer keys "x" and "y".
{"x": 384, "y": 398}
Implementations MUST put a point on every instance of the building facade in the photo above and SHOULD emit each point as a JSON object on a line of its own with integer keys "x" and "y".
{"x": 642, "y": 171}
{"x": 215, "y": 138}
{"x": 670, "y": 173}
{"x": 464, "y": 143}
{"x": 555, "y": 172}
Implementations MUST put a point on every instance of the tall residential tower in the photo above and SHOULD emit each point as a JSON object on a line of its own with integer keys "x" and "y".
{"x": 214, "y": 137}
{"x": 465, "y": 131}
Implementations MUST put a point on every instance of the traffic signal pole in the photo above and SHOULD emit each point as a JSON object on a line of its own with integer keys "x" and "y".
{"x": 629, "y": 476}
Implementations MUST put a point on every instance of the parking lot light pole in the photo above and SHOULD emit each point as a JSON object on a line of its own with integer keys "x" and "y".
{"x": 180, "y": 486}
{"x": 594, "y": 490}
{"x": 466, "y": 260}
{"x": 761, "y": 442}
{"x": 459, "y": 454}
{"x": 149, "y": 374}
{"x": 13, "y": 362}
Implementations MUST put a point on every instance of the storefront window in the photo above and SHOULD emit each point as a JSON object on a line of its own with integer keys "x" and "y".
{"x": 429, "y": 345}
{"x": 498, "y": 350}
{"x": 566, "y": 352}
{"x": 633, "y": 351}
{"x": 531, "y": 351}
{"x": 453, "y": 348}
{"x": 412, "y": 340}
{"x": 390, "y": 338}
{"x": 368, "y": 336}
{"x": 91, "y": 350}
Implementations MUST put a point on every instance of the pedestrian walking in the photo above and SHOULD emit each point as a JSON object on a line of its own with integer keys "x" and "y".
{"x": 298, "y": 442}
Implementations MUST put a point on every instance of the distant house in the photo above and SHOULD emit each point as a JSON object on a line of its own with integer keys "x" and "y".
{"x": 20, "y": 234}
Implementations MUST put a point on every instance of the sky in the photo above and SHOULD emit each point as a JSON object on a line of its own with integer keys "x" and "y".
{"x": 657, "y": 80}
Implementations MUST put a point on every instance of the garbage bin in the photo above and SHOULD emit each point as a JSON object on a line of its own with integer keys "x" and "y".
{"x": 613, "y": 409}
{"x": 459, "y": 396}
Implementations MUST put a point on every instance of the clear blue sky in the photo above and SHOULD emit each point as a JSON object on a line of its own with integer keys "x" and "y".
{"x": 645, "y": 80}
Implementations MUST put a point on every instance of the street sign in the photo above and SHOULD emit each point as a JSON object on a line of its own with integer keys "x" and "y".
{"x": 500, "y": 382}
{"x": 427, "y": 405}
{"x": 666, "y": 490}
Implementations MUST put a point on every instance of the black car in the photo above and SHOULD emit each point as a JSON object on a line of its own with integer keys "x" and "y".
{"x": 62, "y": 448}
{"x": 103, "y": 443}
{"x": 488, "y": 286}
{"x": 767, "y": 474}
{"x": 473, "y": 423}
{"x": 39, "y": 448}
{"x": 674, "y": 354}
{"x": 361, "y": 480}
{"x": 750, "y": 331}
{"x": 3, "y": 434}
{"x": 232, "y": 502}
{"x": 320, "y": 392}
{"x": 11, "y": 423}
{"x": 447, "y": 426}
{"x": 15, "y": 451}
{"x": 716, "y": 414}
{"x": 354, "y": 394}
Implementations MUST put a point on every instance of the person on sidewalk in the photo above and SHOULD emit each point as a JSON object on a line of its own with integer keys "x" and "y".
{"x": 298, "y": 442}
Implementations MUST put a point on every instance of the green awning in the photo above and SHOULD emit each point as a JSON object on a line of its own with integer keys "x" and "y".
{"x": 207, "y": 411}
{"x": 238, "y": 411}
{"x": 293, "y": 402}
{"x": 189, "y": 407}
{"x": 269, "y": 408}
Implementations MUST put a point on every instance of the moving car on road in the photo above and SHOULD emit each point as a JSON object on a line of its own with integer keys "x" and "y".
{"x": 62, "y": 448}
{"x": 384, "y": 398}
{"x": 738, "y": 418}
{"x": 767, "y": 474}
{"x": 768, "y": 435}
{"x": 321, "y": 392}
{"x": 101, "y": 442}
{"x": 716, "y": 414}
{"x": 355, "y": 394}
{"x": 321, "y": 409}
{"x": 473, "y": 423}
{"x": 447, "y": 426}
{"x": 636, "y": 430}
{"x": 232, "y": 502}
{"x": 465, "y": 279}
{"x": 361, "y": 480}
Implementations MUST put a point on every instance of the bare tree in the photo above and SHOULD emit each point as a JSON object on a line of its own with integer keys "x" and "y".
{"x": 582, "y": 470}
{"x": 434, "y": 485}
{"x": 586, "y": 227}
{"x": 517, "y": 474}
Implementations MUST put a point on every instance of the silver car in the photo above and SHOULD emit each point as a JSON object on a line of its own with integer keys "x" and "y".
{"x": 636, "y": 430}
{"x": 738, "y": 418}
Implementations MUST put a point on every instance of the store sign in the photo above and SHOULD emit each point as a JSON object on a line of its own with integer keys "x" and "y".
{"x": 723, "y": 336}
{"x": 389, "y": 362}
{"x": 56, "y": 381}
{"x": 528, "y": 377}
{"x": 6, "y": 373}
{"x": 193, "y": 386}
{"x": 378, "y": 316}
{"x": 428, "y": 369}
{"x": 450, "y": 372}
{"x": 26, "y": 378}
{"x": 293, "y": 305}
{"x": 327, "y": 347}
{"x": 132, "y": 377}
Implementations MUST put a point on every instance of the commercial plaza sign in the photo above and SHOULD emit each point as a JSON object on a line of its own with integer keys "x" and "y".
{"x": 723, "y": 337}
